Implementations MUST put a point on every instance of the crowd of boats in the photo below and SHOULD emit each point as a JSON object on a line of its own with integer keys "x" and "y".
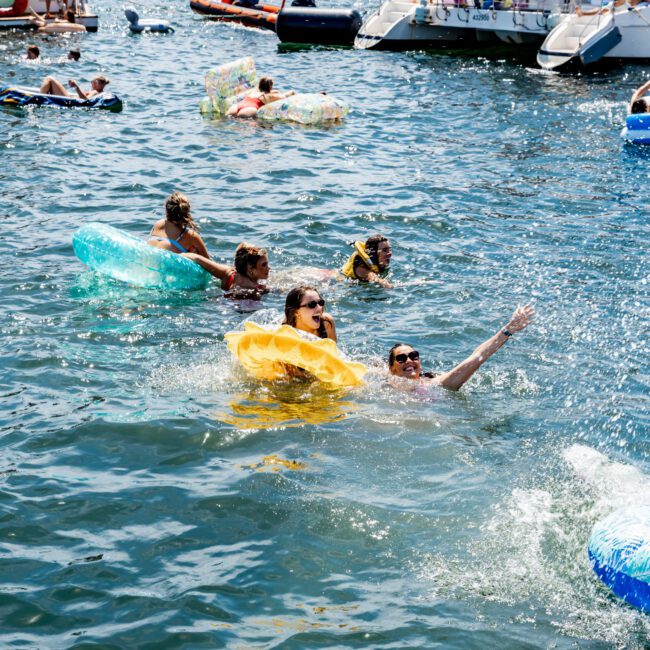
{"x": 568, "y": 33}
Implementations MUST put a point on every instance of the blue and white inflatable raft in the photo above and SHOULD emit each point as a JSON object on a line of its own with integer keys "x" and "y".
{"x": 138, "y": 25}
{"x": 19, "y": 96}
{"x": 124, "y": 257}
{"x": 619, "y": 552}
{"x": 637, "y": 128}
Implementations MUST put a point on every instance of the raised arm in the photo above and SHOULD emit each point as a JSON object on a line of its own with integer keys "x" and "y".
{"x": 638, "y": 93}
{"x": 455, "y": 378}
{"x": 73, "y": 84}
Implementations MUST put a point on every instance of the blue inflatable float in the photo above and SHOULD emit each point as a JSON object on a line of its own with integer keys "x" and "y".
{"x": 637, "y": 128}
{"x": 19, "y": 96}
{"x": 619, "y": 552}
{"x": 124, "y": 257}
{"x": 137, "y": 26}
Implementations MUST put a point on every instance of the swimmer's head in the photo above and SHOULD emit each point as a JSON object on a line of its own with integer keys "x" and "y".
{"x": 640, "y": 106}
{"x": 74, "y": 55}
{"x": 177, "y": 210}
{"x": 303, "y": 308}
{"x": 33, "y": 52}
{"x": 404, "y": 361}
{"x": 252, "y": 262}
{"x": 265, "y": 84}
{"x": 379, "y": 251}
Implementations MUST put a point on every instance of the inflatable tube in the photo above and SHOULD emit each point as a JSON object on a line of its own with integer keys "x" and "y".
{"x": 137, "y": 26}
{"x": 305, "y": 108}
{"x": 18, "y": 96}
{"x": 265, "y": 353}
{"x": 318, "y": 26}
{"x": 637, "y": 128}
{"x": 61, "y": 27}
{"x": 619, "y": 552}
{"x": 261, "y": 16}
{"x": 18, "y": 8}
{"x": 124, "y": 257}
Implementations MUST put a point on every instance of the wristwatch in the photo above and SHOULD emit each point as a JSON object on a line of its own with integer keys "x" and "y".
{"x": 507, "y": 333}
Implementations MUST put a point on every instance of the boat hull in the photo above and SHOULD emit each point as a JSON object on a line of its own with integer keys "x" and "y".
{"x": 263, "y": 18}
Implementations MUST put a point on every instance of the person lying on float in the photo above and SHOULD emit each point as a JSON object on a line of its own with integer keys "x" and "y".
{"x": 52, "y": 86}
{"x": 243, "y": 279}
{"x": 404, "y": 360}
{"x": 370, "y": 261}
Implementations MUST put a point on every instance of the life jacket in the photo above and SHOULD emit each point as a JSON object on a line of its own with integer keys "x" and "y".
{"x": 359, "y": 252}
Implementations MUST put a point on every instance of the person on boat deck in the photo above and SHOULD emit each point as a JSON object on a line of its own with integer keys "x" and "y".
{"x": 251, "y": 266}
{"x": 370, "y": 262}
{"x": 404, "y": 360}
{"x": 68, "y": 25}
{"x": 63, "y": 6}
{"x": 33, "y": 52}
{"x": 639, "y": 103}
{"x": 52, "y": 86}
{"x": 304, "y": 309}
{"x": 177, "y": 232}
{"x": 256, "y": 98}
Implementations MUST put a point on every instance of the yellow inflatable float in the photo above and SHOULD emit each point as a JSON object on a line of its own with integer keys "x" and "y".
{"x": 266, "y": 353}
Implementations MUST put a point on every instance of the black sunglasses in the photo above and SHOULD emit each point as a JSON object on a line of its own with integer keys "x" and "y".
{"x": 413, "y": 356}
{"x": 312, "y": 304}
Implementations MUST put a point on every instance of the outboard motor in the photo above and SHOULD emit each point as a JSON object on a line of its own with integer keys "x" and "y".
{"x": 318, "y": 26}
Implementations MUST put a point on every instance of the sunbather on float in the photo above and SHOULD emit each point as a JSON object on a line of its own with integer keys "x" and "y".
{"x": 256, "y": 98}
{"x": 404, "y": 360}
{"x": 52, "y": 86}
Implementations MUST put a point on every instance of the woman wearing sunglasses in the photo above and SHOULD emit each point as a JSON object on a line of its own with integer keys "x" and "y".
{"x": 404, "y": 361}
{"x": 304, "y": 309}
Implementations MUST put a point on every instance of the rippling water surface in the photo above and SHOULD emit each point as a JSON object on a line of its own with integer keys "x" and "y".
{"x": 152, "y": 495}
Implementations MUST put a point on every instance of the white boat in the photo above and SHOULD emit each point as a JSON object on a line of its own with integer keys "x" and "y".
{"x": 589, "y": 36}
{"x": 403, "y": 24}
{"x": 84, "y": 15}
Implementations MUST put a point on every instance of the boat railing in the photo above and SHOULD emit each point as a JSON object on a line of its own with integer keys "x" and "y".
{"x": 538, "y": 6}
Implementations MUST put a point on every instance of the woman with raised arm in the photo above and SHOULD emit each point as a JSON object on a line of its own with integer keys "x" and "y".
{"x": 404, "y": 360}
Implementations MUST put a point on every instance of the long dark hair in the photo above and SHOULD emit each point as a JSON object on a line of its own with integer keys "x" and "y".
{"x": 292, "y": 305}
{"x": 247, "y": 255}
{"x": 177, "y": 210}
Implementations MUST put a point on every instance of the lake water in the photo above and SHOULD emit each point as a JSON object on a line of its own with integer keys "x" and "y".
{"x": 153, "y": 496}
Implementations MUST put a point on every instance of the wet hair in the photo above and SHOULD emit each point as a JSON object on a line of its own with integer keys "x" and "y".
{"x": 70, "y": 17}
{"x": 265, "y": 84}
{"x": 75, "y": 55}
{"x": 34, "y": 49}
{"x": 177, "y": 210}
{"x": 372, "y": 247}
{"x": 639, "y": 106}
{"x": 247, "y": 255}
{"x": 292, "y": 305}
{"x": 102, "y": 79}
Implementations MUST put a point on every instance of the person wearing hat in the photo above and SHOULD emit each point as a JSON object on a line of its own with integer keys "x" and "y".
{"x": 52, "y": 86}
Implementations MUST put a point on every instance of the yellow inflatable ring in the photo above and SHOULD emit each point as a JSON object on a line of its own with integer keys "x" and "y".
{"x": 265, "y": 353}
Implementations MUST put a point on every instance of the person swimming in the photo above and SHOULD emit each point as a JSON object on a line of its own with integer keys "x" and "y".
{"x": 370, "y": 262}
{"x": 304, "y": 309}
{"x": 177, "y": 232}
{"x": 404, "y": 360}
{"x": 242, "y": 280}
{"x": 256, "y": 98}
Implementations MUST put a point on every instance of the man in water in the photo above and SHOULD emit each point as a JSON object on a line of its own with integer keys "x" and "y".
{"x": 639, "y": 103}
{"x": 404, "y": 360}
{"x": 33, "y": 52}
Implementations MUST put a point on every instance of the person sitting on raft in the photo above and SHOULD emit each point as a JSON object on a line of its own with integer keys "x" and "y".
{"x": 70, "y": 23}
{"x": 370, "y": 262}
{"x": 256, "y": 98}
{"x": 177, "y": 232}
{"x": 52, "y": 86}
{"x": 639, "y": 103}
{"x": 404, "y": 360}
{"x": 242, "y": 281}
{"x": 304, "y": 309}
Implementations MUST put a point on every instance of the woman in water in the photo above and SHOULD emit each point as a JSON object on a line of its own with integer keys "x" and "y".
{"x": 639, "y": 103}
{"x": 370, "y": 262}
{"x": 256, "y": 98}
{"x": 404, "y": 360}
{"x": 177, "y": 232}
{"x": 52, "y": 86}
{"x": 304, "y": 309}
{"x": 242, "y": 281}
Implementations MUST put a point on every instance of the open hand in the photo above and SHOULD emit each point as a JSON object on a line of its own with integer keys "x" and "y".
{"x": 521, "y": 318}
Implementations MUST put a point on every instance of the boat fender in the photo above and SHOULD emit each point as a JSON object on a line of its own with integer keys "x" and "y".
{"x": 318, "y": 26}
{"x": 619, "y": 553}
{"x": 155, "y": 25}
